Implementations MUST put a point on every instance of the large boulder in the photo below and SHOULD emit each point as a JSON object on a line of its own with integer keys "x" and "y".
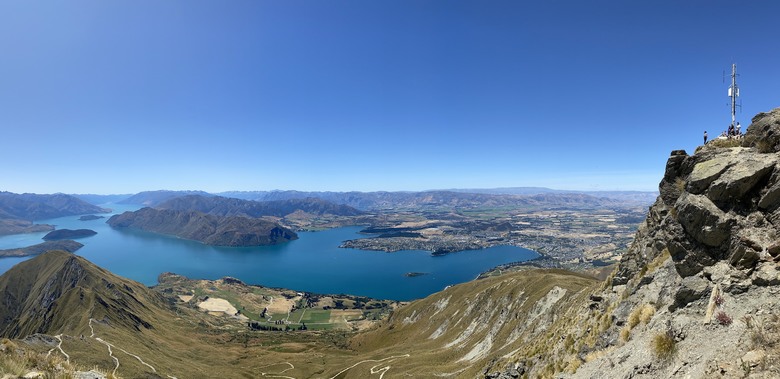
{"x": 691, "y": 289}
{"x": 767, "y": 274}
{"x": 771, "y": 198}
{"x": 703, "y": 220}
{"x": 764, "y": 131}
{"x": 704, "y": 173}
{"x": 740, "y": 178}
{"x": 690, "y": 259}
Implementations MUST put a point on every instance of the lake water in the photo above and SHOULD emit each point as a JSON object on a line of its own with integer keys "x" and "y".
{"x": 312, "y": 263}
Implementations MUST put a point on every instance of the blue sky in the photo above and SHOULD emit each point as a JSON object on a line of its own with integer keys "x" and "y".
{"x": 125, "y": 96}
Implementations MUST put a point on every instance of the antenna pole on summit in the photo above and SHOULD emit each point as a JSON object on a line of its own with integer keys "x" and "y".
{"x": 733, "y": 93}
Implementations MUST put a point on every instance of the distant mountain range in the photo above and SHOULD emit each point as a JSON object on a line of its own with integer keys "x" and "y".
{"x": 29, "y": 206}
{"x": 410, "y": 200}
{"x": 154, "y": 198}
{"x": 206, "y": 228}
{"x": 366, "y": 201}
{"x": 18, "y": 210}
{"x": 101, "y": 199}
{"x": 224, "y": 206}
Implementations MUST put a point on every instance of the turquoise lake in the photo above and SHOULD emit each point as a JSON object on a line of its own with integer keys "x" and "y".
{"x": 312, "y": 263}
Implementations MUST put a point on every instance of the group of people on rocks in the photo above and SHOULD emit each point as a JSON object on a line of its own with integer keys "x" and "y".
{"x": 733, "y": 131}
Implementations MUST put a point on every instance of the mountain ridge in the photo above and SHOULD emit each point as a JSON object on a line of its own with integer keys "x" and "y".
{"x": 29, "y": 206}
{"x": 224, "y": 206}
{"x": 51, "y": 292}
{"x": 206, "y": 228}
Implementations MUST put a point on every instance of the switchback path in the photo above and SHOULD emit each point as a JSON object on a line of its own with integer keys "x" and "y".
{"x": 374, "y": 370}
{"x": 278, "y": 374}
{"x": 110, "y": 352}
{"x": 59, "y": 346}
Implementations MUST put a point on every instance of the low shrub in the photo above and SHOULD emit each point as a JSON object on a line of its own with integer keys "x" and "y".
{"x": 719, "y": 300}
{"x": 664, "y": 345}
{"x": 646, "y": 313}
{"x": 625, "y": 333}
{"x": 723, "y": 318}
{"x": 633, "y": 318}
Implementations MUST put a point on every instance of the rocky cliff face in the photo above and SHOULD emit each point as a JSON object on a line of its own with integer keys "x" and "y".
{"x": 718, "y": 212}
{"x": 705, "y": 266}
{"x": 698, "y": 293}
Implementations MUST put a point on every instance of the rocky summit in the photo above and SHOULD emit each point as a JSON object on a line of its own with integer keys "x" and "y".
{"x": 705, "y": 263}
{"x": 717, "y": 213}
{"x": 697, "y": 295}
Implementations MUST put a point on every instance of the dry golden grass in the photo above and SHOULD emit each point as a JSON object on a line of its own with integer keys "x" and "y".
{"x": 724, "y": 143}
{"x": 663, "y": 346}
{"x": 633, "y": 318}
{"x": 646, "y": 313}
{"x": 659, "y": 260}
{"x": 594, "y": 355}
{"x": 625, "y": 333}
{"x": 18, "y": 360}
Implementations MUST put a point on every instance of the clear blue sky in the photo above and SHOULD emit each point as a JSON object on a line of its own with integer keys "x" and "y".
{"x": 125, "y": 96}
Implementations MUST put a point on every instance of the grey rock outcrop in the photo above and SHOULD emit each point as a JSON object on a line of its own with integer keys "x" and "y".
{"x": 742, "y": 177}
{"x": 720, "y": 204}
{"x": 703, "y": 220}
{"x": 764, "y": 131}
{"x": 706, "y": 261}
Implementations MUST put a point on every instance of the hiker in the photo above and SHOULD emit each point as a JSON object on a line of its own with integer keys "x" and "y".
{"x": 731, "y": 130}
{"x": 738, "y": 132}
{"x": 705, "y": 137}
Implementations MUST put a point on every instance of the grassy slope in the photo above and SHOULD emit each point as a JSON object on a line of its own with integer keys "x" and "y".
{"x": 460, "y": 330}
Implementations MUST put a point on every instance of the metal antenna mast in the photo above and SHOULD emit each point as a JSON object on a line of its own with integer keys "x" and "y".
{"x": 733, "y": 93}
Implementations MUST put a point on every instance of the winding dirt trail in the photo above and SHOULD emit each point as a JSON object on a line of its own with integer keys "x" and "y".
{"x": 111, "y": 354}
{"x": 59, "y": 346}
{"x": 374, "y": 370}
{"x": 278, "y": 374}
{"x": 381, "y": 367}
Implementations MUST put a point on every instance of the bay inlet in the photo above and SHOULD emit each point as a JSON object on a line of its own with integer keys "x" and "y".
{"x": 312, "y": 263}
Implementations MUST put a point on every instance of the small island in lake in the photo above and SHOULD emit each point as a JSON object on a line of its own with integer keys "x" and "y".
{"x": 62, "y": 234}
{"x": 64, "y": 245}
{"x": 90, "y": 217}
{"x": 414, "y": 274}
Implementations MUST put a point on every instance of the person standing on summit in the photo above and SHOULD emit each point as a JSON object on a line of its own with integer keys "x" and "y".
{"x": 705, "y": 137}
